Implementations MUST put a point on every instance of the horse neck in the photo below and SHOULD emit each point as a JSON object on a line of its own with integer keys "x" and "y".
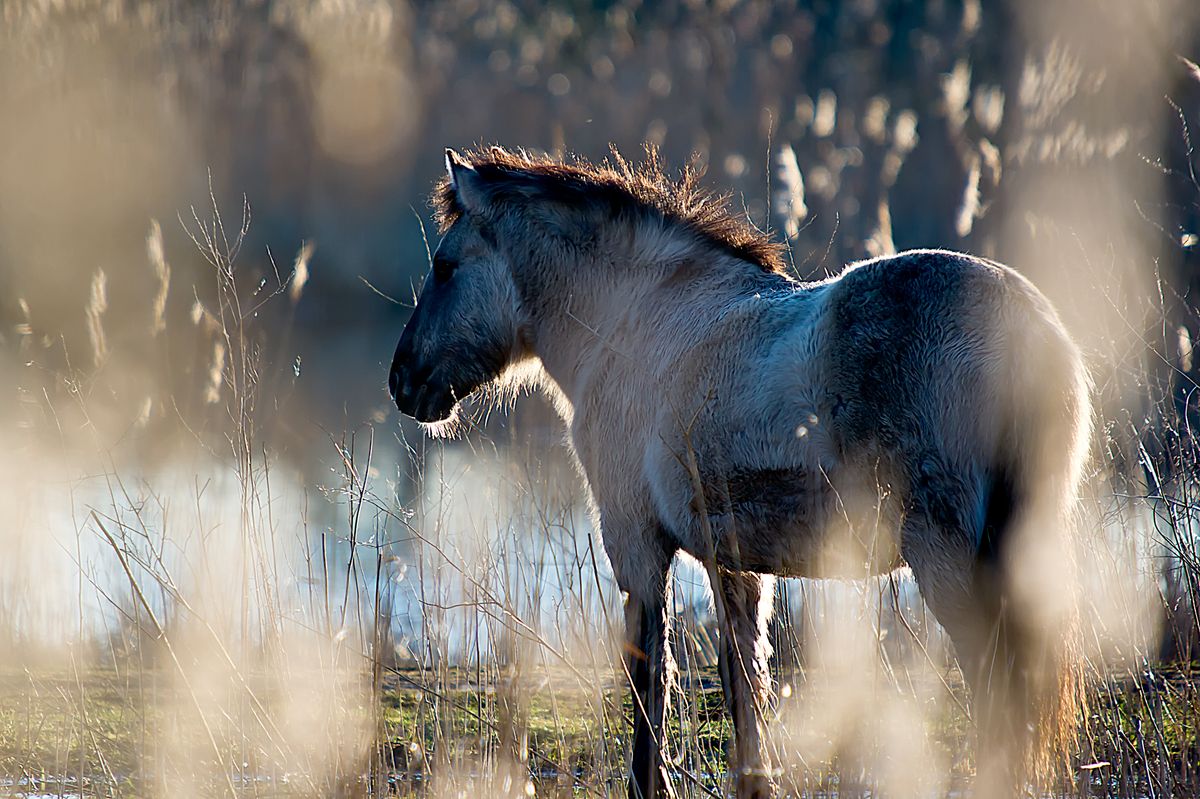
{"x": 574, "y": 320}
{"x": 577, "y": 309}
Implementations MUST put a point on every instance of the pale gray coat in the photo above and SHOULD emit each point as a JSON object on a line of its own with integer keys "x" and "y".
{"x": 927, "y": 408}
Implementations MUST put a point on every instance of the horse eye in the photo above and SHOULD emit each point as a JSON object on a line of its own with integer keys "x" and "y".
{"x": 442, "y": 269}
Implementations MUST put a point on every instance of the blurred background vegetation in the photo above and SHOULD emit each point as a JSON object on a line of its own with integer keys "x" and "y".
{"x": 213, "y": 224}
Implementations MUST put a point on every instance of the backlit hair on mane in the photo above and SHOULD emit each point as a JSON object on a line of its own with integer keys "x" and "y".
{"x": 624, "y": 188}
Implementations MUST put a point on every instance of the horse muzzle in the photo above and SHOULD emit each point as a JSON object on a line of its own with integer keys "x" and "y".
{"x": 425, "y": 403}
{"x": 416, "y": 394}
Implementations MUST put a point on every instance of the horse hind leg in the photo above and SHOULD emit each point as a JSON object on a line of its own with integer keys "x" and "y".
{"x": 953, "y": 541}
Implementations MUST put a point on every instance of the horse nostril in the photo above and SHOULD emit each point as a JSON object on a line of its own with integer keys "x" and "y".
{"x": 400, "y": 363}
{"x": 421, "y": 374}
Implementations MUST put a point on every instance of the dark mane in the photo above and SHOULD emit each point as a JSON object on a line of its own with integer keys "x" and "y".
{"x": 623, "y": 187}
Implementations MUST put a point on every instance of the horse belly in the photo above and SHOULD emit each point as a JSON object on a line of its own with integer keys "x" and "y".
{"x": 793, "y": 523}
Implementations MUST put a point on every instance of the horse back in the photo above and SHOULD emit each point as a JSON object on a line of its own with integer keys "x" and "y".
{"x": 906, "y": 375}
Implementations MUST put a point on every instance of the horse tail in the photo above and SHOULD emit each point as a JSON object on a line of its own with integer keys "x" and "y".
{"x": 1028, "y": 545}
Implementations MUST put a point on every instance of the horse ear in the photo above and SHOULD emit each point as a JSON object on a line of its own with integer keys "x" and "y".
{"x": 468, "y": 186}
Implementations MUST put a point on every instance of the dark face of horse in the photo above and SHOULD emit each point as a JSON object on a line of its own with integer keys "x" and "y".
{"x": 464, "y": 331}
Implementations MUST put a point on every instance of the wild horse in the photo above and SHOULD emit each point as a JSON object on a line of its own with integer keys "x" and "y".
{"x": 926, "y": 409}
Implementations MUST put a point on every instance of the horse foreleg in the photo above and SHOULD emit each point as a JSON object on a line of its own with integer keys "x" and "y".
{"x": 650, "y": 665}
{"x": 745, "y": 675}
